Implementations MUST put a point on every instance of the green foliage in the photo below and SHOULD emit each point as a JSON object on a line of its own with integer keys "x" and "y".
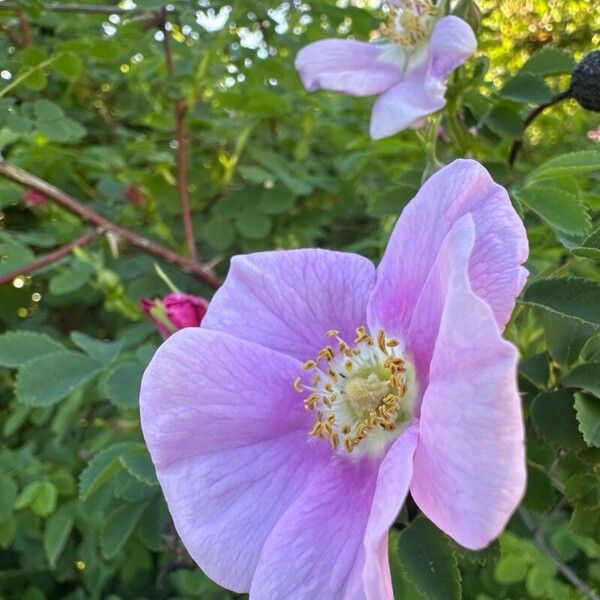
{"x": 87, "y": 104}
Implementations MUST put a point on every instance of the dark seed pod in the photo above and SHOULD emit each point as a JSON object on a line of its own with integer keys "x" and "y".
{"x": 585, "y": 82}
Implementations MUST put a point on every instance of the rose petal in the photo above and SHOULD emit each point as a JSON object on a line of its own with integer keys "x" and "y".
{"x": 469, "y": 467}
{"x": 495, "y": 273}
{"x": 345, "y": 66}
{"x": 229, "y": 438}
{"x": 393, "y": 479}
{"x": 452, "y": 42}
{"x": 404, "y": 105}
{"x": 287, "y": 300}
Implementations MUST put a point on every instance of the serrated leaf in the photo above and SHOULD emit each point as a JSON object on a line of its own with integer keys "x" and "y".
{"x": 573, "y": 163}
{"x": 560, "y": 209}
{"x": 587, "y": 409}
{"x": 56, "y": 534}
{"x": 139, "y": 464}
{"x": 103, "y": 466}
{"x": 553, "y": 416}
{"x": 18, "y": 347}
{"x": 565, "y": 337}
{"x": 572, "y": 297}
{"x": 590, "y": 247}
{"x": 119, "y": 526}
{"x": 121, "y": 385}
{"x": 586, "y": 377}
{"x": 71, "y": 278}
{"x": 104, "y": 352}
{"x": 45, "y": 380}
{"x": 428, "y": 561}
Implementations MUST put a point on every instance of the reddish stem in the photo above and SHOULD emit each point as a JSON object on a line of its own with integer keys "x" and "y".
{"x": 63, "y": 199}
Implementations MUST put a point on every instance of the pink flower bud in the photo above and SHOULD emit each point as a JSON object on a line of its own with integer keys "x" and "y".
{"x": 175, "y": 311}
{"x": 135, "y": 196}
{"x": 34, "y": 198}
{"x": 594, "y": 134}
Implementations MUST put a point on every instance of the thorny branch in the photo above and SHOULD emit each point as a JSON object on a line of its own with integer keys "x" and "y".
{"x": 66, "y": 201}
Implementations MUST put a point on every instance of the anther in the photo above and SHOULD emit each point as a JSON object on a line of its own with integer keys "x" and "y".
{"x": 309, "y": 364}
{"x": 332, "y": 333}
{"x": 297, "y": 385}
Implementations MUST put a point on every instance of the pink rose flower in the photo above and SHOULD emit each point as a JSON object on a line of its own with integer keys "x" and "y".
{"x": 288, "y": 429}
{"x": 594, "y": 134}
{"x": 175, "y": 311}
{"x": 408, "y": 71}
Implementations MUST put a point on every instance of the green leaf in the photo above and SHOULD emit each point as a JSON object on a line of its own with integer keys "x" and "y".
{"x": 428, "y": 561}
{"x": 13, "y": 254}
{"x": 586, "y": 377}
{"x": 139, "y": 464}
{"x": 590, "y": 247}
{"x": 560, "y": 209}
{"x": 45, "y": 380}
{"x": 511, "y": 569}
{"x": 102, "y": 467}
{"x": 103, "y": 352}
{"x": 44, "y": 110}
{"x": 588, "y": 417}
{"x": 583, "y": 490}
{"x": 8, "y": 495}
{"x": 69, "y": 65}
{"x": 572, "y": 297}
{"x": 44, "y": 503}
{"x": 253, "y": 224}
{"x": 573, "y": 163}
{"x": 18, "y": 347}
{"x": 549, "y": 61}
{"x": 553, "y": 415}
{"x": 121, "y": 384}
{"x": 526, "y": 87}
{"x": 71, "y": 278}
{"x": 504, "y": 121}
{"x": 391, "y": 201}
{"x": 119, "y": 526}
{"x": 565, "y": 337}
{"x": 56, "y": 534}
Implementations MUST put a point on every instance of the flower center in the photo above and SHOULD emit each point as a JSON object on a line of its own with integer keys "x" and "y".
{"x": 362, "y": 395}
{"x": 410, "y": 22}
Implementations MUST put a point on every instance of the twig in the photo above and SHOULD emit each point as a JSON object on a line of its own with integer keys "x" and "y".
{"x": 63, "y": 199}
{"x": 180, "y": 110}
{"x": 26, "y": 38}
{"x": 566, "y": 571}
{"x": 518, "y": 144}
{"x": 51, "y": 257}
{"x": 83, "y": 8}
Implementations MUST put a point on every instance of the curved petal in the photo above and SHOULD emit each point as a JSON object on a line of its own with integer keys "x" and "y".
{"x": 345, "y": 66}
{"x": 495, "y": 272}
{"x": 332, "y": 542}
{"x": 452, "y": 42}
{"x": 469, "y": 466}
{"x": 228, "y": 436}
{"x": 287, "y": 300}
{"x": 404, "y": 105}
{"x": 391, "y": 489}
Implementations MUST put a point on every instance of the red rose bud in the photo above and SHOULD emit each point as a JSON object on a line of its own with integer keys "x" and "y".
{"x": 135, "y": 196}
{"x": 34, "y": 198}
{"x": 175, "y": 311}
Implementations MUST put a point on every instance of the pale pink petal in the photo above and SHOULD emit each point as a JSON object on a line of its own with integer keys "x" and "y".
{"x": 469, "y": 467}
{"x": 393, "y": 479}
{"x": 332, "y": 542}
{"x": 288, "y": 300}
{"x": 495, "y": 270}
{"x": 229, "y": 438}
{"x": 452, "y": 42}
{"x": 404, "y": 105}
{"x": 345, "y": 66}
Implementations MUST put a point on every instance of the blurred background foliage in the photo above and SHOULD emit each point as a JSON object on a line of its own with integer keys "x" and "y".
{"x": 87, "y": 103}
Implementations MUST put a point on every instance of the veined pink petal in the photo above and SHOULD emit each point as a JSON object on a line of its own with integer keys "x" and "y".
{"x": 229, "y": 437}
{"x": 393, "y": 479}
{"x": 495, "y": 269}
{"x": 404, "y": 105}
{"x": 469, "y": 467}
{"x": 288, "y": 300}
{"x": 345, "y": 66}
{"x": 452, "y": 42}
